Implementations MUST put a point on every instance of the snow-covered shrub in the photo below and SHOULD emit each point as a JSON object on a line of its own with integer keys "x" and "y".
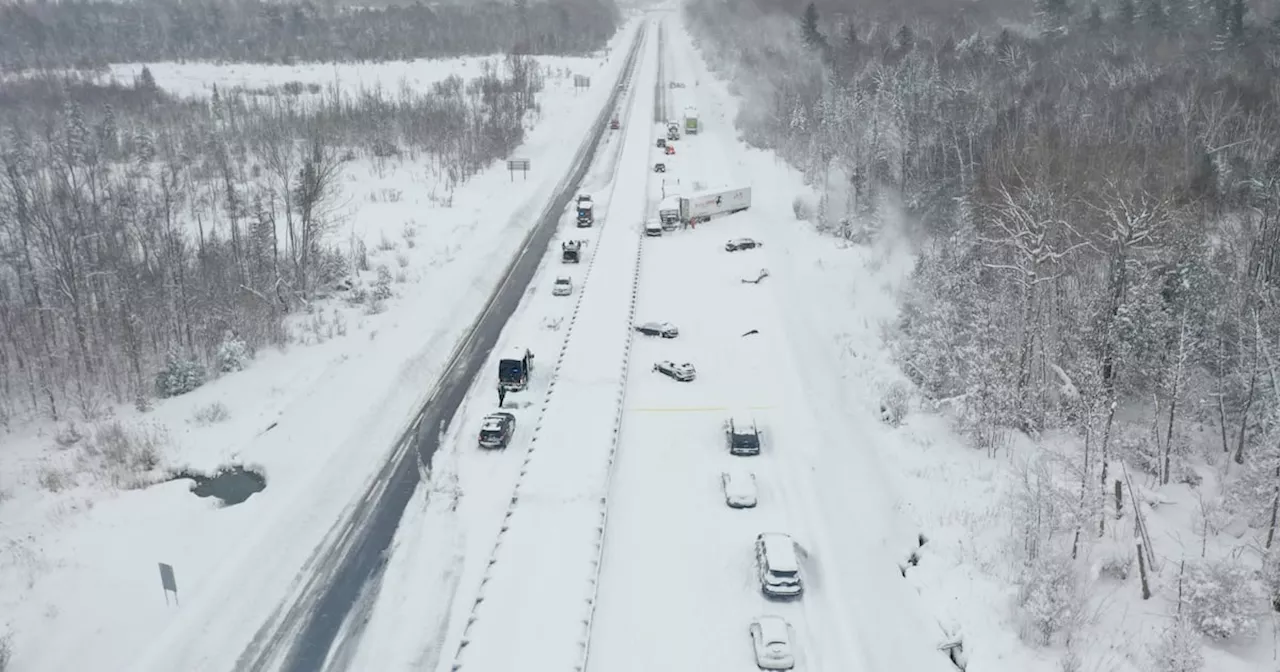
{"x": 803, "y": 208}
{"x": 1178, "y": 649}
{"x": 1117, "y": 562}
{"x": 382, "y": 286}
{"x": 179, "y": 376}
{"x": 232, "y": 354}
{"x": 125, "y": 449}
{"x": 895, "y": 403}
{"x": 1221, "y": 598}
{"x": 1050, "y": 599}
{"x": 208, "y": 415}
{"x": 6, "y": 652}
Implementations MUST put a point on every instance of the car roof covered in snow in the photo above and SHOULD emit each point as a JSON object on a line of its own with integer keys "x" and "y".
{"x": 516, "y": 352}
{"x": 781, "y": 551}
{"x": 563, "y": 278}
{"x": 493, "y": 420}
{"x": 773, "y": 629}
{"x": 739, "y": 482}
{"x": 586, "y": 205}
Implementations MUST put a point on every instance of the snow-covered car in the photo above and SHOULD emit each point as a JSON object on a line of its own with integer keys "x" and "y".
{"x": 659, "y": 167}
{"x": 670, "y": 149}
{"x": 653, "y": 228}
{"x": 739, "y": 489}
{"x": 777, "y": 566}
{"x": 663, "y": 329}
{"x": 771, "y": 640}
{"x": 662, "y": 142}
{"x": 682, "y": 372}
{"x": 497, "y": 429}
{"x": 742, "y": 244}
{"x": 563, "y": 286}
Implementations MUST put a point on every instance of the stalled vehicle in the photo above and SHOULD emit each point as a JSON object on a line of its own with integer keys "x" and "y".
{"x": 771, "y": 642}
{"x": 683, "y": 372}
{"x": 742, "y": 435}
{"x": 514, "y": 369}
{"x": 563, "y": 286}
{"x": 497, "y": 429}
{"x": 586, "y": 211}
{"x": 653, "y": 228}
{"x": 663, "y": 329}
{"x": 703, "y": 205}
{"x": 571, "y": 251}
{"x": 739, "y": 489}
{"x": 659, "y": 167}
{"x": 742, "y": 244}
{"x": 777, "y": 566}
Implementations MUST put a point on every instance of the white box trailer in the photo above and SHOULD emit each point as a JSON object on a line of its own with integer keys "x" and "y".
{"x": 691, "y": 124}
{"x": 703, "y": 205}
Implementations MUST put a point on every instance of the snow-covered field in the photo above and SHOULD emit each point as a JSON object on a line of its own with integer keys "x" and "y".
{"x": 79, "y": 562}
{"x": 197, "y": 79}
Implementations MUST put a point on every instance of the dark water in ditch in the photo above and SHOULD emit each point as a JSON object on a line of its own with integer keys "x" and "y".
{"x": 231, "y": 485}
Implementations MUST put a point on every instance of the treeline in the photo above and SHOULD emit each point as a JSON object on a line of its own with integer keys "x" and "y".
{"x": 1100, "y": 196}
{"x": 144, "y": 238}
{"x": 93, "y": 33}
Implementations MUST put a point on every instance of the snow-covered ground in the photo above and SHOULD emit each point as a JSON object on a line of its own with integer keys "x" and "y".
{"x": 678, "y": 588}
{"x": 197, "y": 79}
{"x": 78, "y": 562}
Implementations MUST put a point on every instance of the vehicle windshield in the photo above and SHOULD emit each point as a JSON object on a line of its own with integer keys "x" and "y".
{"x": 745, "y": 440}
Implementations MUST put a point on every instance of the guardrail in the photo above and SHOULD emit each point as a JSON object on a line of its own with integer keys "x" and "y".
{"x": 627, "y": 74}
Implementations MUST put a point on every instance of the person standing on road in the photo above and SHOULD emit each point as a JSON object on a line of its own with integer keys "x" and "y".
{"x": 502, "y": 396}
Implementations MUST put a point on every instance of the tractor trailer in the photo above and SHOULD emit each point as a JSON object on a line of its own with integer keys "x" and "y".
{"x": 691, "y": 121}
{"x": 703, "y": 205}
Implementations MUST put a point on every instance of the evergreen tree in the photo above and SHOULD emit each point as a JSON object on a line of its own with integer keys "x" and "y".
{"x": 813, "y": 38}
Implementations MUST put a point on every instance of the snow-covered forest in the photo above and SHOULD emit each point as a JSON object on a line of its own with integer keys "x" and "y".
{"x": 147, "y": 241}
{"x": 42, "y": 35}
{"x": 1095, "y": 191}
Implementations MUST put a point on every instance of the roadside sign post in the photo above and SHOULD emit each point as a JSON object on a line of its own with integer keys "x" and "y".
{"x": 521, "y": 165}
{"x": 169, "y": 583}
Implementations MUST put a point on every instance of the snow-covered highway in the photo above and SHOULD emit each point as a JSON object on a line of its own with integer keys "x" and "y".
{"x": 536, "y": 601}
{"x": 678, "y": 586}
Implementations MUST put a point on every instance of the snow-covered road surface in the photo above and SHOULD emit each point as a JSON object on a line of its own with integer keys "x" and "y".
{"x": 535, "y": 604}
{"x": 678, "y": 588}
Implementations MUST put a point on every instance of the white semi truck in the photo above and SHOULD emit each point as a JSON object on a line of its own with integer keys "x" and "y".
{"x": 703, "y": 205}
{"x": 691, "y": 126}
{"x": 669, "y": 211}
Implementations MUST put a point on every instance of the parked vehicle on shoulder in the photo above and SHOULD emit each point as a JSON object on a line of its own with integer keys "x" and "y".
{"x": 653, "y": 228}
{"x": 742, "y": 435}
{"x": 514, "y": 369}
{"x": 771, "y": 639}
{"x": 683, "y": 372}
{"x": 777, "y": 565}
{"x": 742, "y": 244}
{"x": 571, "y": 251}
{"x": 662, "y": 142}
{"x": 739, "y": 489}
{"x": 563, "y": 286}
{"x": 497, "y": 429}
{"x": 659, "y": 167}
{"x": 663, "y": 329}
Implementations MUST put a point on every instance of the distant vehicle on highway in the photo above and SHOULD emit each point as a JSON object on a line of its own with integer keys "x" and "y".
{"x": 663, "y": 329}
{"x": 739, "y": 489}
{"x": 563, "y": 286}
{"x": 682, "y": 372}
{"x": 777, "y": 565}
{"x": 742, "y": 244}
{"x": 669, "y": 149}
{"x": 662, "y": 142}
{"x": 653, "y": 228}
{"x": 659, "y": 167}
{"x": 771, "y": 638}
{"x": 614, "y": 124}
{"x": 497, "y": 430}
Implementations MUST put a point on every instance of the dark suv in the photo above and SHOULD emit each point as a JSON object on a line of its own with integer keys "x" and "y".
{"x": 742, "y": 435}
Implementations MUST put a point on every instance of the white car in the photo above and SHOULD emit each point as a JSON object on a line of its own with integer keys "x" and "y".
{"x": 681, "y": 372}
{"x": 563, "y": 286}
{"x": 663, "y": 329}
{"x": 739, "y": 489}
{"x": 771, "y": 639}
{"x": 653, "y": 228}
{"x": 742, "y": 244}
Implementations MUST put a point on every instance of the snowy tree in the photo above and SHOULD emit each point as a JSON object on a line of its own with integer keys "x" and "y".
{"x": 1221, "y": 599}
{"x": 1178, "y": 649}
